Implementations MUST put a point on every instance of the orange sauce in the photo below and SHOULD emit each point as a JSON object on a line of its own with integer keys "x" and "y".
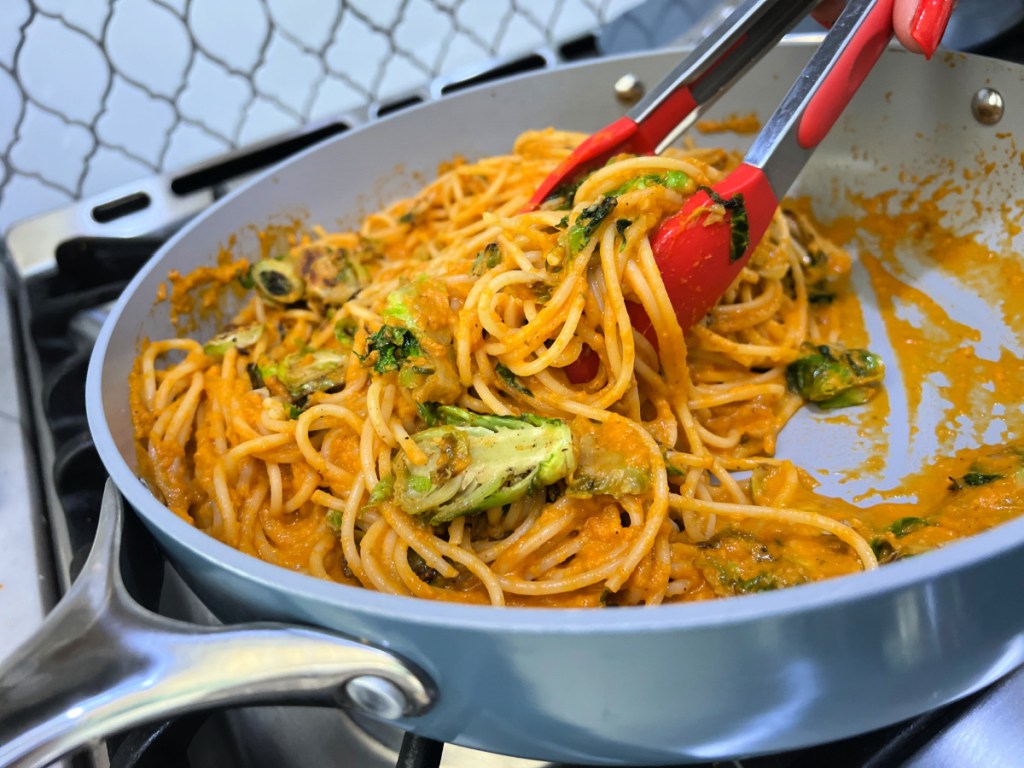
{"x": 740, "y": 124}
{"x": 934, "y": 349}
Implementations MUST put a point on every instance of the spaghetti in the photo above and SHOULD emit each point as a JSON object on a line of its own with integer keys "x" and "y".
{"x": 289, "y": 436}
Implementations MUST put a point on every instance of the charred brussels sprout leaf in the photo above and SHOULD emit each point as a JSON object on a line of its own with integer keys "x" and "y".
{"x": 511, "y": 380}
{"x": 382, "y": 491}
{"x": 905, "y": 525}
{"x": 428, "y": 412}
{"x": 241, "y": 337}
{"x": 332, "y": 275}
{"x": 602, "y": 471}
{"x": 835, "y": 377}
{"x": 738, "y": 221}
{"x": 477, "y": 462}
{"x": 421, "y": 347}
{"x": 884, "y": 551}
{"x": 973, "y": 479}
{"x": 345, "y": 332}
{"x": 587, "y": 222}
{"x": 563, "y": 196}
{"x": 393, "y": 346}
{"x": 278, "y": 281}
{"x": 304, "y": 373}
{"x": 245, "y": 279}
{"x": 488, "y": 258}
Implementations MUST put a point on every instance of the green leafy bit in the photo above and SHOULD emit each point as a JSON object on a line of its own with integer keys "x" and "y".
{"x": 345, "y": 332}
{"x": 278, "y": 281}
{"x": 562, "y": 197}
{"x": 621, "y": 226}
{"x": 255, "y": 376}
{"x": 671, "y": 468}
{"x": 511, "y": 380}
{"x": 542, "y": 292}
{"x": 738, "y": 221}
{"x": 382, "y": 491}
{"x": 240, "y": 337}
{"x": 245, "y": 279}
{"x": 884, "y": 551}
{"x": 488, "y": 258}
{"x": 333, "y": 520}
{"x": 762, "y": 582}
{"x": 676, "y": 180}
{"x": 973, "y": 479}
{"x": 476, "y": 462}
{"x": 833, "y": 376}
{"x": 294, "y": 411}
{"x": 905, "y": 525}
{"x": 603, "y": 471}
{"x": 421, "y": 347}
{"x": 393, "y": 345}
{"x": 820, "y": 293}
{"x": 428, "y": 412}
{"x": 587, "y": 222}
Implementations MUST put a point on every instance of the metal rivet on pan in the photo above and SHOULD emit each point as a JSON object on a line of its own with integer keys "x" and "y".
{"x": 987, "y": 106}
{"x": 628, "y": 89}
{"x": 377, "y": 696}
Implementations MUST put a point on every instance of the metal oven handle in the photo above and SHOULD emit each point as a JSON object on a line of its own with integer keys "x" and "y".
{"x": 101, "y": 663}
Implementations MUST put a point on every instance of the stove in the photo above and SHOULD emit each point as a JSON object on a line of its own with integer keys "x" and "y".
{"x": 63, "y": 270}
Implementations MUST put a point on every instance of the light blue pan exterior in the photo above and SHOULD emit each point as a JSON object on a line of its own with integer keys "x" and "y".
{"x": 756, "y": 674}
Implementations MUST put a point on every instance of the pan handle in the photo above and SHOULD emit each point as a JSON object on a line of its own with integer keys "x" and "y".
{"x": 101, "y": 663}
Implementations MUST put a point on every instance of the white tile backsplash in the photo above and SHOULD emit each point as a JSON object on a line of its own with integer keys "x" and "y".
{"x": 214, "y": 97}
{"x": 63, "y": 69}
{"x": 111, "y": 167}
{"x": 357, "y": 52}
{"x": 189, "y": 143}
{"x": 334, "y": 95}
{"x": 52, "y": 148}
{"x": 15, "y": 14}
{"x": 309, "y": 21}
{"x": 149, "y": 44}
{"x": 265, "y": 118}
{"x": 232, "y": 31}
{"x": 136, "y": 122}
{"x": 10, "y": 106}
{"x": 288, "y": 74}
{"x": 25, "y": 196}
{"x": 86, "y": 15}
{"x": 97, "y": 93}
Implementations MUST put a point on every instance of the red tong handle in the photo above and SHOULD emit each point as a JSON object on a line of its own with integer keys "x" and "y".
{"x": 695, "y": 255}
{"x": 846, "y": 75}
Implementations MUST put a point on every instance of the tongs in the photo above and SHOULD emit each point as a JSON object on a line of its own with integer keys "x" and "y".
{"x": 699, "y": 255}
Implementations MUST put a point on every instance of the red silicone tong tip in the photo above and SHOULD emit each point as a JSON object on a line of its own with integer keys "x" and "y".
{"x": 929, "y": 24}
{"x": 700, "y": 255}
{"x": 594, "y": 152}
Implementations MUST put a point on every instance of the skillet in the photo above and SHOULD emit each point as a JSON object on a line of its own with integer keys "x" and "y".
{"x": 736, "y": 677}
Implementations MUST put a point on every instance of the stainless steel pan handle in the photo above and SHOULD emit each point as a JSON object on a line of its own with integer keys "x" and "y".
{"x": 101, "y": 663}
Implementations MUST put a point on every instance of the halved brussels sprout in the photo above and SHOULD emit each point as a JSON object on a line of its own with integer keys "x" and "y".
{"x": 476, "y": 462}
{"x": 333, "y": 275}
{"x": 278, "y": 281}
{"x": 304, "y": 373}
{"x": 241, "y": 337}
